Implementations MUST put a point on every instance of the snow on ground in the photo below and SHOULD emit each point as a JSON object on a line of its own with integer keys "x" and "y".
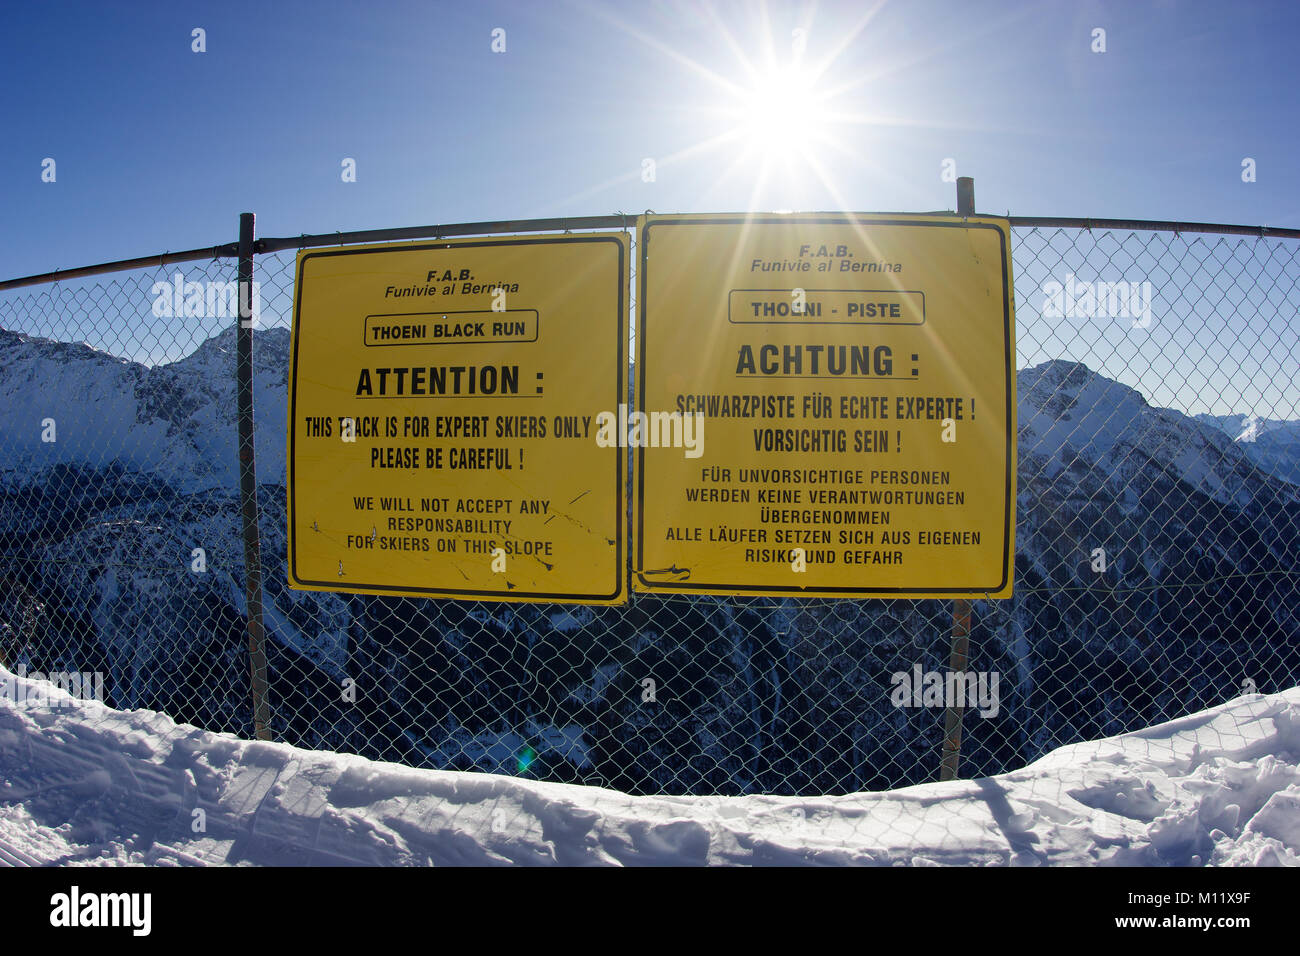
{"x": 82, "y": 784}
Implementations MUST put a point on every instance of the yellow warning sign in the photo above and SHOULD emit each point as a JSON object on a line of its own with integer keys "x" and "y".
{"x": 825, "y": 406}
{"x": 442, "y": 437}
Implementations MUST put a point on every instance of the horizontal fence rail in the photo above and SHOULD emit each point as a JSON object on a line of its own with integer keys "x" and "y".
{"x": 1157, "y": 566}
{"x": 567, "y": 224}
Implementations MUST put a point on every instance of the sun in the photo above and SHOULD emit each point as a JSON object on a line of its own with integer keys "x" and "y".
{"x": 781, "y": 116}
{"x": 776, "y": 118}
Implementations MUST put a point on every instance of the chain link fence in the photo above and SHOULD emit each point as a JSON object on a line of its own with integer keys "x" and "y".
{"x": 1157, "y": 566}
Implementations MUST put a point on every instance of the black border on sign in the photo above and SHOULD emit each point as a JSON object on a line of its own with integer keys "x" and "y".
{"x": 643, "y": 237}
{"x": 620, "y": 517}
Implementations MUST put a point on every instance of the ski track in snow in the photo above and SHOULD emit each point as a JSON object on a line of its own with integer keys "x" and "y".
{"x": 82, "y": 784}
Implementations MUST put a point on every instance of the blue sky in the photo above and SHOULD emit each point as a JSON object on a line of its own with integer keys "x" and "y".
{"x": 160, "y": 148}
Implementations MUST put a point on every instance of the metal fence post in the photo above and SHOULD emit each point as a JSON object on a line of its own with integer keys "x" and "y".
{"x": 248, "y": 482}
{"x": 959, "y": 656}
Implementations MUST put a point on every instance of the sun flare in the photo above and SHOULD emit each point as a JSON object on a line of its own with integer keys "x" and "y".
{"x": 774, "y": 120}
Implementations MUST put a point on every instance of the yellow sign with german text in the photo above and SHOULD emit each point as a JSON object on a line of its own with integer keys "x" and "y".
{"x": 825, "y": 406}
{"x": 442, "y": 419}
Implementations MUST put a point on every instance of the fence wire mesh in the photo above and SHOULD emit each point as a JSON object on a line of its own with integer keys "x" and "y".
{"x": 1157, "y": 565}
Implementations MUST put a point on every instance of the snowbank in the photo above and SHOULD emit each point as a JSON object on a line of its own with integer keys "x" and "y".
{"x": 83, "y": 784}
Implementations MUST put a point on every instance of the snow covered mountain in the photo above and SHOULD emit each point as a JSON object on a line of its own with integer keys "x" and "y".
{"x": 1200, "y": 592}
{"x": 1272, "y": 443}
{"x": 174, "y": 422}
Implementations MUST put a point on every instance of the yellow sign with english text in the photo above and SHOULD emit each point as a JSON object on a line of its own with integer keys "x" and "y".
{"x": 443, "y": 406}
